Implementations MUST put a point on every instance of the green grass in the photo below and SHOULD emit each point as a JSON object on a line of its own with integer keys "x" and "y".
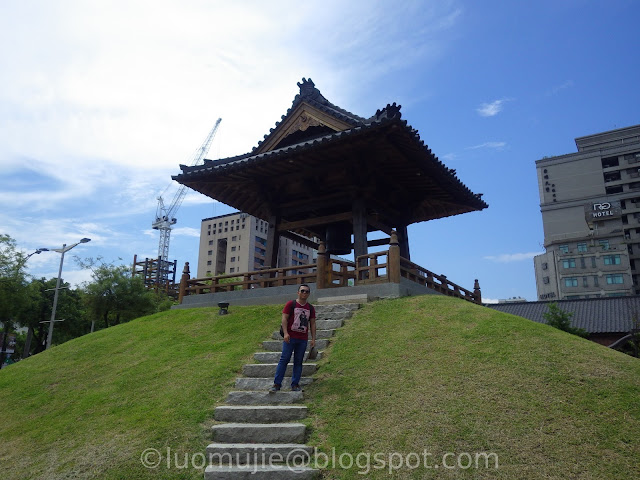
{"x": 404, "y": 376}
{"x": 441, "y": 375}
{"x": 90, "y": 407}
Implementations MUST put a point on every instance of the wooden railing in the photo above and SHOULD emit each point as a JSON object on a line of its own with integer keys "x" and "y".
{"x": 439, "y": 283}
{"x": 268, "y": 277}
{"x": 380, "y": 267}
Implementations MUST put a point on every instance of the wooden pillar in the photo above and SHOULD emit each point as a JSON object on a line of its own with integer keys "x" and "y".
{"x": 273, "y": 241}
{"x": 393, "y": 259}
{"x": 476, "y": 292}
{"x": 359, "y": 228}
{"x": 183, "y": 282}
{"x": 321, "y": 270}
{"x": 403, "y": 242}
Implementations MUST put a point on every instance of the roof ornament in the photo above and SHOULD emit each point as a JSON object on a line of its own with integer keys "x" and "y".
{"x": 308, "y": 88}
{"x": 390, "y": 111}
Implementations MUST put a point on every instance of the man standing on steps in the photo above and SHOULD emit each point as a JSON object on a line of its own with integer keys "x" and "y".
{"x": 298, "y": 317}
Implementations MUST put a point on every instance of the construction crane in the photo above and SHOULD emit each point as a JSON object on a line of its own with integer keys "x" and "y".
{"x": 165, "y": 216}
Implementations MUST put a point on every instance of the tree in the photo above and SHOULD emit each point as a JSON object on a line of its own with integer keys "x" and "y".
{"x": 558, "y": 318}
{"x": 13, "y": 297}
{"x": 116, "y": 296}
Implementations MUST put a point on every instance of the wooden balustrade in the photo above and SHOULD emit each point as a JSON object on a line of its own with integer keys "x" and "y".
{"x": 378, "y": 267}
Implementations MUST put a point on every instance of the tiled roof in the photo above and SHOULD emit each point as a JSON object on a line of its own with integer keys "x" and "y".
{"x": 390, "y": 114}
{"x": 595, "y": 315}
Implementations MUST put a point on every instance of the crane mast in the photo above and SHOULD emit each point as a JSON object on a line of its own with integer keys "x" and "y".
{"x": 165, "y": 216}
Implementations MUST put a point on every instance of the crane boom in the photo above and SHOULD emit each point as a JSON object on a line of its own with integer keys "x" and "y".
{"x": 165, "y": 216}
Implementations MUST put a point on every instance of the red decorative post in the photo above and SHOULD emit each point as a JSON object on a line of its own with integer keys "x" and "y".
{"x": 321, "y": 269}
{"x": 476, "y": 292}
{"x": 183, "y": 282}
{"x": 393, "y": 267}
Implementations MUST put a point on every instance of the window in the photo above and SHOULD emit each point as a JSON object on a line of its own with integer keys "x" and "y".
{"x": 582, "y": 247}
{"x": 612, "y": 259}
{"x": 632, "y": 157}
{"x": 604, "y": 244}
{"x": 233, "y": 249}
{"x": 261, "y": 241}
{"x": 231, "y": 270}
{"x": 595, "y": 280}
{"x": 210, "y": 252}
{"x": 571, "y": 282}
{"x": 609, "y": 162}
{"x": 615, "y": 189}
{"x": 545, "y": 280}
{"x": 611, "y": 176}
{"x": 593, "y": 262}
{"x": 210, "y": 242}
{"x": 564, "y": 248}
{"x": 233, "y": 259}
{"x": 208, "y": 274}
{"x": 208, "y": 262}
{"x": 234, "y": 238}
{"x": 544, "y": 266}
{"x": 582, "y": 263}
{"x": 569, "y": 263}
{"x": 585, "y": 283}
{"x": 615, "y": 279}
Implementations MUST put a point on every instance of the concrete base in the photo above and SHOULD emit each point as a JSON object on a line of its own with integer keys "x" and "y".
{"x": 281, "y": 295}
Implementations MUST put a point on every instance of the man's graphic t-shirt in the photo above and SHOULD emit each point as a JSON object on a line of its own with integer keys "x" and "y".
{"x": 299, "y": 316}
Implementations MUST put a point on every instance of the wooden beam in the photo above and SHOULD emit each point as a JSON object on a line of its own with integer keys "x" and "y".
{"x": 383, "y": 227}
{"x": 311, "y": 222}
{"x": 377, "y": 243}
{"x": 359, "y": 228}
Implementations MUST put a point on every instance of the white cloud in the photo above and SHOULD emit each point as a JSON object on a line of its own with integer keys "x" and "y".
{"x": 186, "y": 232}
{"x": 511, "y": 257}
{"x": 491, "y": 109}
{"x": 558, "y": 88}
{"x": 490, "y": 300}
{"x": 496, "y": 145}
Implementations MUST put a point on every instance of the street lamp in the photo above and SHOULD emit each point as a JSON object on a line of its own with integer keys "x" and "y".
{"x": 62, "y": 250}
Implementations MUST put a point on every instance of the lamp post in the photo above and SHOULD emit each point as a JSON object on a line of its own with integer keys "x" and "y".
{"x": 62, "y": 250}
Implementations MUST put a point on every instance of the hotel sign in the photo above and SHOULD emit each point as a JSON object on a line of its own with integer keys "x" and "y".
{"x": 602, "y": 211}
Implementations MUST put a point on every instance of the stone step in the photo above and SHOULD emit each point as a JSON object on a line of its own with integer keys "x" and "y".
{"x": 283, "y": 397}
{"x": 256, "y": 472}
{"x": 329, "y": 323}
{"x": 276, "y": 345}
{"x": 258, "y": 453}
{"x": 338, "y": 307}
{"x": 274, "y": 357}
{"x": 320, "y": 334}
{"x": 264, "y": 384}
{"x": 260, "y": 413}
{"x": 268, "y": 370}
{"x": 259, "y": 432}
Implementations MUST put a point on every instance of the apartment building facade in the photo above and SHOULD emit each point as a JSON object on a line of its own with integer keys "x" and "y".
{"x": 236, "y": 243}
{"x": 590, "y": 206}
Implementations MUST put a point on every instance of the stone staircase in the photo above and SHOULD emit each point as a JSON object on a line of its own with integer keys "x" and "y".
{"x": 262, "y": 436}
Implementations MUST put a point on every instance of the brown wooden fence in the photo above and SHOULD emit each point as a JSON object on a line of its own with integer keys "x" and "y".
{"x": 379, "y": 267}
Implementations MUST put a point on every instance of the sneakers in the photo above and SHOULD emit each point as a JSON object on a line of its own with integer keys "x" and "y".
{"x": 274, "y": 389}
{"x": 296, "y": 388}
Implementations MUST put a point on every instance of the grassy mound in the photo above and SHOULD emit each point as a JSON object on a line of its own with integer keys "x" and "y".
{"x": 408, "y": 380}
{"x": 90, "y": 407}
{"x": 442, "y": 380}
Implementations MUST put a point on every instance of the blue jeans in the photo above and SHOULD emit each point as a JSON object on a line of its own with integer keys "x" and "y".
{"x": 297, "y": 347}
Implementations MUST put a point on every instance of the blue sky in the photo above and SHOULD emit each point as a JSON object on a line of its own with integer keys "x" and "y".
{"x": 101, "y": 101}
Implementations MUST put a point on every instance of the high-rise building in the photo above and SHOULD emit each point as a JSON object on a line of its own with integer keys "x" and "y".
{"x": 590, "y": 205}
{"x": 236, "y": 243}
